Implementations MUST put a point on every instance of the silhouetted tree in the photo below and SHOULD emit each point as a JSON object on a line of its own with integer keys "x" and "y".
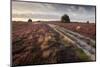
{"x": 29, "y": 20}
{"x": 65, "y": 18}
{"x": 87, "y": 22}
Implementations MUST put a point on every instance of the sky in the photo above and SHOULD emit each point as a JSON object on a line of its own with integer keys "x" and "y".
{"x": 22, "y": 11}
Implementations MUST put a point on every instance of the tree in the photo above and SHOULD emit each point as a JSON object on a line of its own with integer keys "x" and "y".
{"x": 29, "y": 20}
{"x": 87, "y": 22}
{"x": 65, "y": 18}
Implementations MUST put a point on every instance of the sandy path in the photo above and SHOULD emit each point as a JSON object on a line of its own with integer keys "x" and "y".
{"x": 79, "y": 40}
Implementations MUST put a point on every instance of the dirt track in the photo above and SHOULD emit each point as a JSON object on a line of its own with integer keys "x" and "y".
{"x": 85, "y": 43}
{"x": 41, "y": 44}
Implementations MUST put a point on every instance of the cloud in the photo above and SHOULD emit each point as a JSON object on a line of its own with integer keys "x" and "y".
{"x": 36, "y": 16}
{"x": 52, "y": 11}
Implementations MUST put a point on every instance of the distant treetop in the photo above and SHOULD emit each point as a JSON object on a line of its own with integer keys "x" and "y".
{"x": 87, "y": 22}
{"x": 29, "y": 20}
{"x": 65, "y": 18}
